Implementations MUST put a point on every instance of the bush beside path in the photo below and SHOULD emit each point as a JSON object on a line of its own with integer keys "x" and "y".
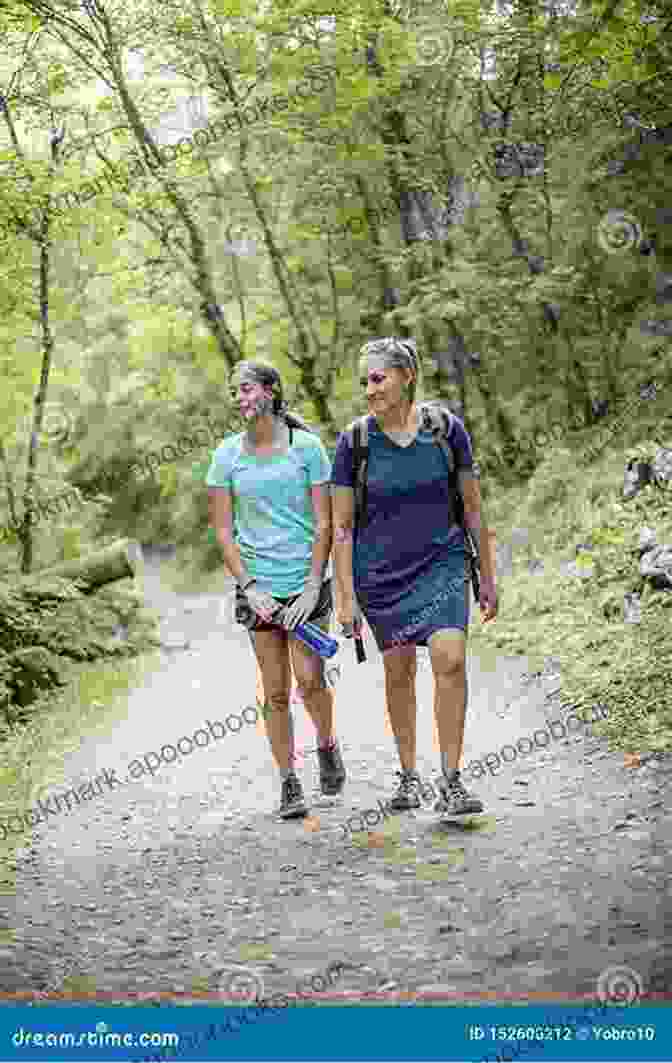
{"x": 181, "y": 884}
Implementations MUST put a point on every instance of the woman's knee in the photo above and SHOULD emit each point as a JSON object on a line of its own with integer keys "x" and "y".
{"x": 448, "y": 665}
{"x": 449, "y": 668}
{"x": 447, "y": 652}
{"x": 278, "y": 699}
{"x": 309, "y": 687}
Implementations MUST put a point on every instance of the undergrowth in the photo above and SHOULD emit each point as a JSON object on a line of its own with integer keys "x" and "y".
{"x": 572, "y": 512}
{"x": 33, "y": 756}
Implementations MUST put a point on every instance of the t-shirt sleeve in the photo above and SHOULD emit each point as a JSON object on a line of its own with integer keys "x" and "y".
{"x": 319, "y": 466}
{"x": 461, "y": 444}
{"x": 341, "y": 473}
{"x": 221, "y": 467}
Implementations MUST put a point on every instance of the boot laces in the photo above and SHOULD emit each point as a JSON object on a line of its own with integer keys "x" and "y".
{"x": 408, "y": 781}
{"x": 292, "y": 787}
{"x": 456, "y": 788}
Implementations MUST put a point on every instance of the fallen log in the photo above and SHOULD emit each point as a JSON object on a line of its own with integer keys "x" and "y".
{"x": 120, "y": 560}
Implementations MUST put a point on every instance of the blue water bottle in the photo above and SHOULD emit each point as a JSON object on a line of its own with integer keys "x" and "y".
{"x": 315, "y": 638}
{"x": 310, "y": 634}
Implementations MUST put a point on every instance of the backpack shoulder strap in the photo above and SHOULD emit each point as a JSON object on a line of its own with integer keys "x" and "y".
{"x": 358, "y": 439}
{"x": 439, "y": 421}
{"x": 360, "y": 426}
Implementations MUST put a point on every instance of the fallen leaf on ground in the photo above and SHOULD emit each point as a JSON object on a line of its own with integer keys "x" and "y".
{"x": 433, "y": 872}
{"x": 254, "y": 952}
{"x": 487, "y": 823}
{"x": 632, "y": 760}
{"x": 311, "y": 823}
{"x": 401, "y": 856}
{"x": 392, "y": 921}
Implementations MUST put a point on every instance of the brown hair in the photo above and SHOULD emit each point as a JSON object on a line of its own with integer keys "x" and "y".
{"x": 266, "y": 374}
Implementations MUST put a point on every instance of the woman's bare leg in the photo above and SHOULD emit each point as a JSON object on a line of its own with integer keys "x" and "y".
{"x": 317, "y": 697}
{"x": 272, "y": 653}
{"x": 447, "y": 653}
{"x": 400, "y": 664}
{"x": 319, "y": 701}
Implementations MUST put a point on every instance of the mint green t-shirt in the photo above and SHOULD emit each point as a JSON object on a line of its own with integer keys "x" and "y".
{"x": 273, "y": 520}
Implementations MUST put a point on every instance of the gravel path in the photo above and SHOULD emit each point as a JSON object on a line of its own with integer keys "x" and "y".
{"x": 166, "y": 885}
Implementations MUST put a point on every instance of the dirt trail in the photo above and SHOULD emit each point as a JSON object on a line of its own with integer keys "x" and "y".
{"x": 162, "y": 885}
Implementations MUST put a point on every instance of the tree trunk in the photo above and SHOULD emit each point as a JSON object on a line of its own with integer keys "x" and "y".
{"x": 121, "y": 560}
{"x": 421, "y": 223}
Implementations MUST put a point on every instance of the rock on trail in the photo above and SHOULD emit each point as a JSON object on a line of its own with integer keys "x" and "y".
{"x": 174, "y": 883}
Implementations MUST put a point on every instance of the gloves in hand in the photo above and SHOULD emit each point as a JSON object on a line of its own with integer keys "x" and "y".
{"x": 303, "y": 607}
{"x": 263, "y": 604}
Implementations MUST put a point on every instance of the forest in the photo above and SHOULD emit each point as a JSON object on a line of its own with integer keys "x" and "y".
{"x": 185, "y": 185}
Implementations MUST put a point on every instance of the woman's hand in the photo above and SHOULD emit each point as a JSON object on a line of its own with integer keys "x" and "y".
{"x": 488, "y": 600}
{"x": 263, "y": 604}
{"x": 349, "y": 616}
{"x": 304, "y": 605}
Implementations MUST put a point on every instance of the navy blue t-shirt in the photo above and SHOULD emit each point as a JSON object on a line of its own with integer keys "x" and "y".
{"x": 408, "y": 535}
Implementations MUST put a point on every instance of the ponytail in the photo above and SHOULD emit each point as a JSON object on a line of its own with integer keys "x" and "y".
{"x": 292, "y": 421}
{"x": 266, "y": 374}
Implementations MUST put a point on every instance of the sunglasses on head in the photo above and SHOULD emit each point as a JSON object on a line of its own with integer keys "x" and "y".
{"x": 390, "y": 344}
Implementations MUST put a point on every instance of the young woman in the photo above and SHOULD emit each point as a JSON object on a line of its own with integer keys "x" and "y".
{"x": 269, "y": 505}
{"x": 406, "y": 566}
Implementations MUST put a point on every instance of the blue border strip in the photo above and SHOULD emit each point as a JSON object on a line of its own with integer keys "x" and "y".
{"x": 477, "y": 1034}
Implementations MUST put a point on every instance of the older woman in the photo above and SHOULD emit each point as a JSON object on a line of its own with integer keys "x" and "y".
{"x": 269, "y": 499}
{"x": 406, "y": 565}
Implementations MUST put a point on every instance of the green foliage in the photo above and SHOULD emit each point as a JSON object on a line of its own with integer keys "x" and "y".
{"x": 68, "y": 626}
{"x": 580, "y": 621}
{"x": 120, "y": 327}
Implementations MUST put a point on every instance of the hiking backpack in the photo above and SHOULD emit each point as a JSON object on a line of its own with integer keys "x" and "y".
{"x": 439, "y": 421}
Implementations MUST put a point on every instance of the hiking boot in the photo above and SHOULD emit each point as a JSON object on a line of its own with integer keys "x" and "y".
{"x": 406, "y": 796}
{"x": 455, "y": 799}
{"x": 332, "y": 770}
{"x": 292, "y": 801}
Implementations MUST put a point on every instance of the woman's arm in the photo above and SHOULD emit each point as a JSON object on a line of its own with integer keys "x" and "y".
{"x": 474, "y": 519}
{"x": 322, "y": 546}
{"x": 221, "y": 519}
{"x": 343, "y": 516}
